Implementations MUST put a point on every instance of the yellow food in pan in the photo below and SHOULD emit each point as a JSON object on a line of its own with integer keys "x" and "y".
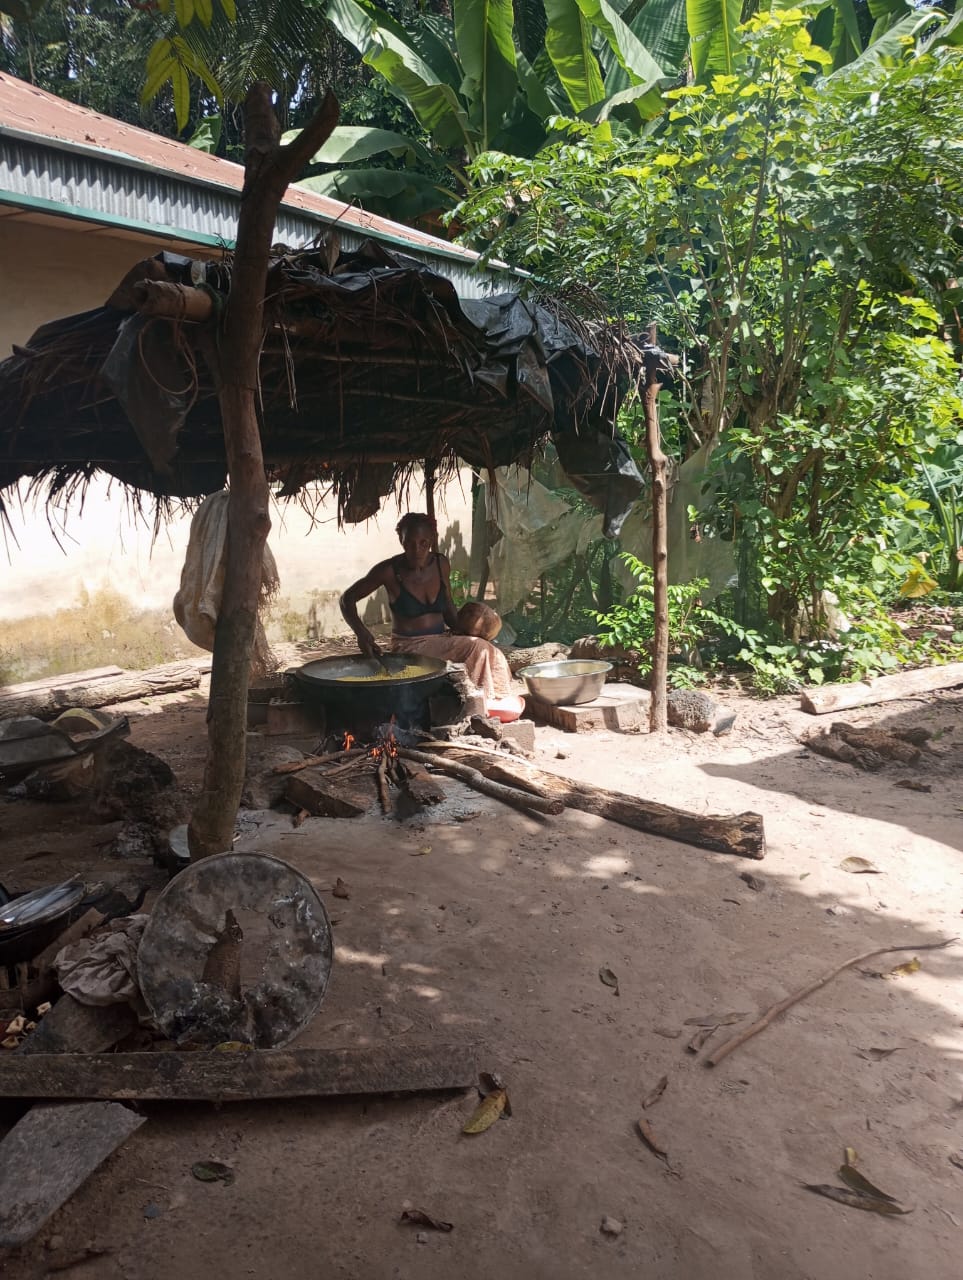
{"x": 406, "y": 673}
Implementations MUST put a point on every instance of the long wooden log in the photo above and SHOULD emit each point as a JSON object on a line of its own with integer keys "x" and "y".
{"x": 236, "y": 1077}
{"x": 838, "y": 697}
{"x": 741, "y": 834}
{"x": 518, "y": 798}
{"x": 102, "y": 691}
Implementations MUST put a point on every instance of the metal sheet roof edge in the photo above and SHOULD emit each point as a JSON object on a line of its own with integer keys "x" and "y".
{"x": 77, "y": 213}
{"x": 357, "y": 219}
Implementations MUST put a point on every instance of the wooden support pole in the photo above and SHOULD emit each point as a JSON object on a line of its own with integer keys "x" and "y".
{"x": 654, "y": 364}
{"x": 268, "y": 170}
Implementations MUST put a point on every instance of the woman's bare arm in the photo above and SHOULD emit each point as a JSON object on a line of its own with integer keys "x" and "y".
{"x": 360, "y": 590}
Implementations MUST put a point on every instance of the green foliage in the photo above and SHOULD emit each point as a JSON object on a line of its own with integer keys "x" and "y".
{"x": 797, "y": 238}
{"x": 945, "y": 485}
{"x": 631, "y": 624}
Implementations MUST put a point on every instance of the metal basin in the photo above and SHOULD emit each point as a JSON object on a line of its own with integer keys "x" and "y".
{"x": 565, "y": 684}
{"x": 32, "y": 920}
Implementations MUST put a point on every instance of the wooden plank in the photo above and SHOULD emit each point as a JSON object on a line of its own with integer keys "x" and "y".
{"x": 232, "y": 1077}
{"x": 51, "y": 1152}
{"x": 838, "y": 697}
{"x": 72, "y": 1027}
{"x": 46, "y": 703}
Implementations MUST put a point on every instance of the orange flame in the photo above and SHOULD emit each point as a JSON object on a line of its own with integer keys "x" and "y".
{"x": 348, "y": 741}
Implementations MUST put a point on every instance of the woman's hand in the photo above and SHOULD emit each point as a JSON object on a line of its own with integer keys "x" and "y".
{"x": 368, "y": 645}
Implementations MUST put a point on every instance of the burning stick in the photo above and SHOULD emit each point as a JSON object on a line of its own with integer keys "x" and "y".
{"x": 382, "y": 777}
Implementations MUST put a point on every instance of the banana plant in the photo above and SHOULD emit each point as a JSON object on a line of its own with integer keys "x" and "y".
{"x": 471, "y": 88}
{"x": 946, "y": 496}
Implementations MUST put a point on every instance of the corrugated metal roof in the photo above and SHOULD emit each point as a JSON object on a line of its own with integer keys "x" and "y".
{"x": 57, "y": 157}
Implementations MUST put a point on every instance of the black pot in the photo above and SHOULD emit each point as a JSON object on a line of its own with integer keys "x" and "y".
{"x": 359, "y": 705}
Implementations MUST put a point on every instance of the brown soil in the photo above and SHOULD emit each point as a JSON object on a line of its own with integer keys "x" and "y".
{"x": 495, "y": 929}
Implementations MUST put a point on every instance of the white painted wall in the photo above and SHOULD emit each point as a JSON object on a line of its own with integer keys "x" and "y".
{"x": 103, "y": 545}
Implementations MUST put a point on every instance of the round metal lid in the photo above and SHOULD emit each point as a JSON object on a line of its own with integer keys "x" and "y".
{"x": 205, "y": 984}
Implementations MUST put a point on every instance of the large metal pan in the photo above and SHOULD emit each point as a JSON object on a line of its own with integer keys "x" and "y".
{"x": 355, "y": 688}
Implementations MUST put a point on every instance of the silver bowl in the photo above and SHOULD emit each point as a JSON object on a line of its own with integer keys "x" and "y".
{"x": 565, "y": 684}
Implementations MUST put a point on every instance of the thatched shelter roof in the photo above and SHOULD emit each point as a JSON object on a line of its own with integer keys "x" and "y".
{"x": 371, "y": 364}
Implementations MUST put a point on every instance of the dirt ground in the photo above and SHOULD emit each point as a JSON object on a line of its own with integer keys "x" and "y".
{"x": 494, "y": 930}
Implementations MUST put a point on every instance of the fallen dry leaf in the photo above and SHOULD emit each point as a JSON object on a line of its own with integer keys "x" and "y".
{"x": 610, "y": 978}
{"x": 910, "y": 785}
{"x": 700, "y": 1037}
{"x": 340, "y": 889}
{"x": 669, "y": 1033}
{"x": 487, "y": 1112}
{"x": 233, "y": 1046}
{"x": 212, "y": 1171}
{"x": 420, "y": 851}
{"x": 902, "y": 970}
{"x": 654, "y": 1094}
{"x": 650, "y": 1140}
{"x": 855, "y": 1200}
{"x": 491, "y": 1082}
{"x": 299, "y": 817}
{"x": 715, "y": 1019}
{"x": 877, "y": 1055}
{"x": 859, "y": 867}
{"x": 855, "y": 1180}
{"x": 752, "y": 881}
{"x": 422, "y": 1219}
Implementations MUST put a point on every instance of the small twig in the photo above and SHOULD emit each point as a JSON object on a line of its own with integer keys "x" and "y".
{"x": 295, "y": 766}
{"x": 724, "y": 1050}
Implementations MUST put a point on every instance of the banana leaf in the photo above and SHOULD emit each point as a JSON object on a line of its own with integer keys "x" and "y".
{"x": 349, "y": 142}
{"x": 386, "y": 47}
{"x": 568, "y": 42}
{"x": 713, "y": 43}
{"x": 486, "y": 50}
{"x": 631, "y": 53}
{"x": 401, "y": 194}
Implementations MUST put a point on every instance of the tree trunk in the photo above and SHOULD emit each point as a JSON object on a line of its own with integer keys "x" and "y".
{"x": 268, "y": 170}
{"x": 658, "y": 711}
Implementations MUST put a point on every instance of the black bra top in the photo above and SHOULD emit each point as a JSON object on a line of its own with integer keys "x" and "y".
{"x": 409, "y": 606}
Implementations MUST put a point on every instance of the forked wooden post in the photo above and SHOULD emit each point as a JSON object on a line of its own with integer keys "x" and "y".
{"x": 269, "y": 168}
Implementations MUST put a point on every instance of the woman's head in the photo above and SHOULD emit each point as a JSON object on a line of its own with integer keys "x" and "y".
{"x": 418, "y": 534}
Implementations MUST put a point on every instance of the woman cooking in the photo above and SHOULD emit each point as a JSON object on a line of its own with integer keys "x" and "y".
{"x": 423, "y": 616}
